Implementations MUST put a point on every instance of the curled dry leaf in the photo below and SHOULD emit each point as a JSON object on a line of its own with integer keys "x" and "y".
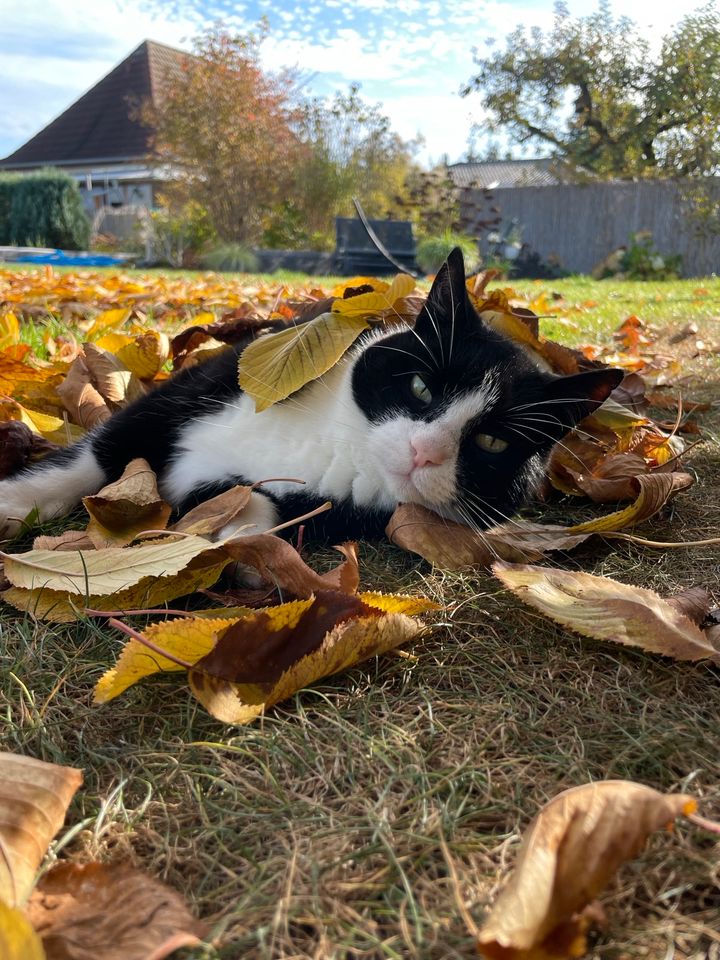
{"x": 453, "y": 546}
{"x": 569, "y": 854}
{"x": 604, "y": 609}
{"x": 116, "y": 384}
{"x": 34, "y": 797}
{"x": 209, "y": 517}
{"x": 82, "y": 400}
{"x": 278, "y": 562}
{"x": 109, "y": 911}
{"x": 122, "y": 510}
{"x": 276, "y": 365}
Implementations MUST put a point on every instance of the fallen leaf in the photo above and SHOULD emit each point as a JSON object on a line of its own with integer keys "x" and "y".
{"x": 209, "y": 517}
{"x": 146, "y": 354}
{"x": 569, "y": 854}
{"x": 278, "y": 364}
{"x": 654, "y": 490}
{"x": 188, "y": 639}
{"x": 451, "y": 545}
{"x": 604, "y": 609}
{"x": 122, "y": 510}
{"x": 81, "y": 399}
{"x": 117, "y": 385}
{"x": 278, "y": 562}
{"x": 109, "y": 911}
{"x": 18, "y": 940}
{"x": 107, "y": 320}
{"x": 343, "y": 646}
{"x": 58, "y": 585}
{"x": 376, "y": 303}
{"x": 16, "y": 442}
{"x": 34, "y": 797}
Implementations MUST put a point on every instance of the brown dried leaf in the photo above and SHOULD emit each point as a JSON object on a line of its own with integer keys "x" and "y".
{"x": 114, "y": 382}
{"x": 122, "y": 510}
{"x": 604, "y": 609}
{"x": 569, "y": 854}
{"x": 348, "y": 643}
{"x": 278, "y": 562}
{"x": 209, "y": 517}
{"x": 81, "y": 399}
{"x": 34, "y": 797}
{"x": 110, "y": 911}
{"x": 70, "y": 540}
{"x": 16, "y": 442}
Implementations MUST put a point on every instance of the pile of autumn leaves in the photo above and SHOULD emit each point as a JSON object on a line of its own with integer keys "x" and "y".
{"x": 121, "y": 335}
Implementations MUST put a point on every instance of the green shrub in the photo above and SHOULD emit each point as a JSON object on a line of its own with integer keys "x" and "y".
{"x": 8, "y": 182}
{"x": 230, "y": 257}
{"x": 179, "y": 234}
{"x": 46, "y": 210}
{"x": 641, "y": 261}
{"x": 432, "y": 251}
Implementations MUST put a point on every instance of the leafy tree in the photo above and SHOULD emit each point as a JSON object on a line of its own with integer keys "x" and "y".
{"x": 591, "y": 90}
{"x": 229, "y": 129}
{"x": 349, "y": 150}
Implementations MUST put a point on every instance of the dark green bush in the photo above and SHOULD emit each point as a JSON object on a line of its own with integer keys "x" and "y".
{"x": 46, "y": 210}
{"x": 8, "y": 181}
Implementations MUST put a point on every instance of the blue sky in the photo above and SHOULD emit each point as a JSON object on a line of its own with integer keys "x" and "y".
{"x": 412, "y": 55}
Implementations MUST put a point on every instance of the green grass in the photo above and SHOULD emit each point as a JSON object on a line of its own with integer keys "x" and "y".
{"x": 373, "y": 812}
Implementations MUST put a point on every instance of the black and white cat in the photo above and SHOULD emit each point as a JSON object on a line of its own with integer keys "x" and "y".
{"x": 448, "y": 414}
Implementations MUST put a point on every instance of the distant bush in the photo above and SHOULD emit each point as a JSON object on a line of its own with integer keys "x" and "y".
{"x": 8, "y": 182}
{"x": 432, "y": 251}
{"x": 230, "y": 257}
{"x": 179, "y": 234}
{"x": 46, "y": 210}
{"x": 641, "y": 261}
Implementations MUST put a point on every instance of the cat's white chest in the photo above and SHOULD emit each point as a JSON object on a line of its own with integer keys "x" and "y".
{"x": 317, "y": 436}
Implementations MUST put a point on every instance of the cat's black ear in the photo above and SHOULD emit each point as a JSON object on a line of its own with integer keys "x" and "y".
{"x": 447, "y": 303}
{"x": 570, "y": 399}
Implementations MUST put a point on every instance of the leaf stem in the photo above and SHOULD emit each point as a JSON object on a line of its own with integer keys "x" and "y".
{"x": 712, "y": 825}
{"x": 149, "y": 644}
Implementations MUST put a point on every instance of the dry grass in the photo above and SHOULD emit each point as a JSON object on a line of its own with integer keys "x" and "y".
{"x": 376, "y": 813}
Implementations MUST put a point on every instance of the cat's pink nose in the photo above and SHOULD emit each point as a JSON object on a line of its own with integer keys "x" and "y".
{"x": 427, "y": 454}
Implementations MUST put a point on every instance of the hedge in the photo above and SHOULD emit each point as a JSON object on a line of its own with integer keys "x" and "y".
{"x": 42, "y": 209}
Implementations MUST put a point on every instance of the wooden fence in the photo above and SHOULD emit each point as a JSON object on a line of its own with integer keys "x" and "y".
{"x": 580, "y": 224}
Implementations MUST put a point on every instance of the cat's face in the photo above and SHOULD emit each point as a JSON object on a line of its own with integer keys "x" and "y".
{"x": 461, "y": 420}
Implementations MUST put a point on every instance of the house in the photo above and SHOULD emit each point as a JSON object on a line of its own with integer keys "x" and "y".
{"x": 504, "y": 174}
{"x": 100, "y": 140}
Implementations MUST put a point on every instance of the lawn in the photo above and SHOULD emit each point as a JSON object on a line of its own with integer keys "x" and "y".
{"x": 377, "y": 814}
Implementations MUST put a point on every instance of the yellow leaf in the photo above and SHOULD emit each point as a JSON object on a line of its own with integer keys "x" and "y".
{"x": 18, "y": 940}
{"x": 187, "y": 639}
{"x": 102, "y": 571}
{"x": 604, "y": 609}
{"x": 60, "y": 606}
{"x": 354, "y": 282}
{"x": 107, "y": 320}
{"x": 113, "y": 342}
{"x": 368, "y": 304}
{"x": 42, "y": 424}
{"x": 569, "y": 854}
{"x": 276, "y": 365}
{"x": 146, "y": 354}
{"x": 397, "y": 603}
{"x": 9, "y": 330}
{"x": 34, "y": 797}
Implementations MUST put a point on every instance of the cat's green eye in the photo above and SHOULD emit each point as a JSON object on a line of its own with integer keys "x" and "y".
{"x": 490, "y": 444}
{"x": 419, "y": 389}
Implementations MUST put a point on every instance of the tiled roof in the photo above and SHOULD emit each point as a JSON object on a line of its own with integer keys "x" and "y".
{"x": 99, "y": 126}
{"x": 505, "y": 173}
